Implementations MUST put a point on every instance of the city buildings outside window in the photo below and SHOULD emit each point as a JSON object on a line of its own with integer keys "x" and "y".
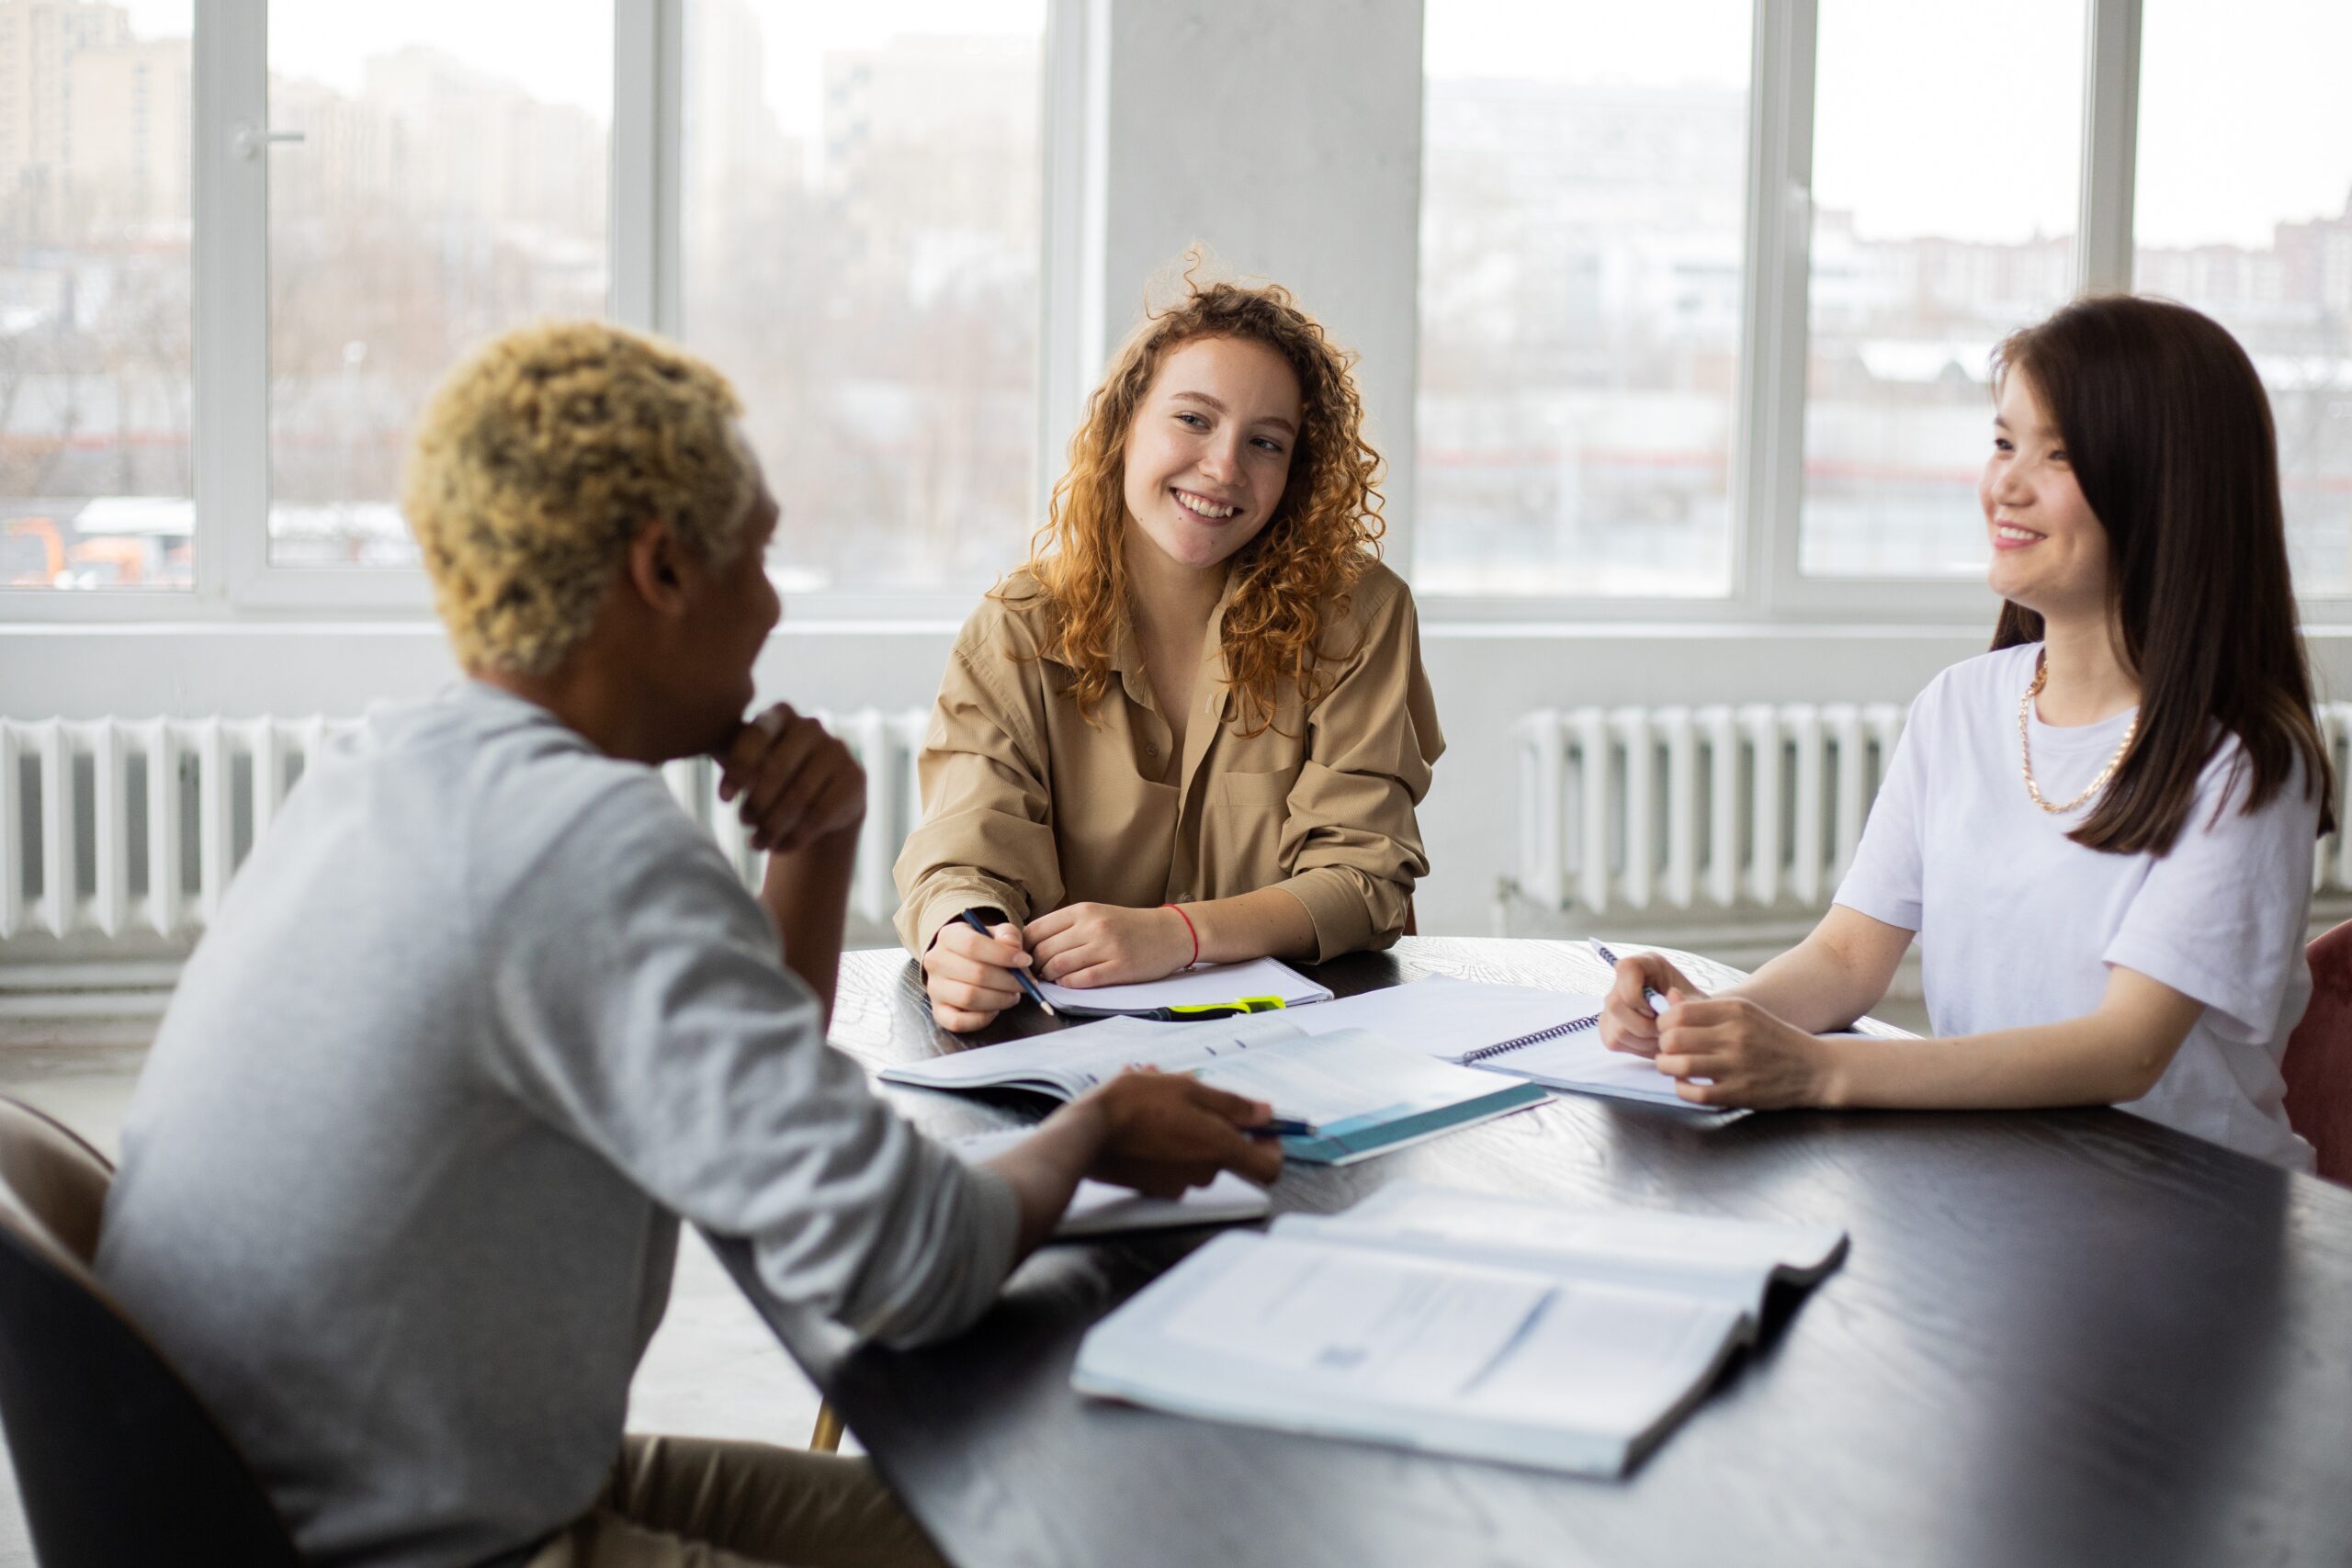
{"x": 97, "y": 468}
{"x": 860, "y": 235}
{"x": 861, "y": 240}
{"x": 1947, "y": 156}
{"x": 449, "y": 184}
{"x": 1584, "y": 177}
{"x": 2246, "y": 214}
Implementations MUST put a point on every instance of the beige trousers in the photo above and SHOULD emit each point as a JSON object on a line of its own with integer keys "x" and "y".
{"x": 703, "y": 1502}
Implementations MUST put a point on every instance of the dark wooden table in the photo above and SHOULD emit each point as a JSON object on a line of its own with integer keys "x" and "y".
{"x": 2058, "y": 1337}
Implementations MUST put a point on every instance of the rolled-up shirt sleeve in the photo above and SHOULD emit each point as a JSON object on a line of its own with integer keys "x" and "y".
{"x": 652, "y": 1016}
{"x": 986, "y": 839}
{"x": 1351, "y": 840}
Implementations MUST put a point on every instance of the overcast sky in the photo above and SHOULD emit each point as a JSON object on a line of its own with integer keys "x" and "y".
{"x": 1959, "y": 118}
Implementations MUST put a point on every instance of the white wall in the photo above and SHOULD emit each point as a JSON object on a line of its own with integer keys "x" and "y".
{"x": 1485, "y": 676}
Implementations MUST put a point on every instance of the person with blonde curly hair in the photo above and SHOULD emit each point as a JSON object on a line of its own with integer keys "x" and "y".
{"x": 486, "y": 1016}
{"x": 1195, "y": 726}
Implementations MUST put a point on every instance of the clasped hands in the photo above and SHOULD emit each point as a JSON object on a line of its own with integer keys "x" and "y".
{"x": 796, "y": 781}
{"x": 1721, "y": 1051}
{"x": 969, "y": 977}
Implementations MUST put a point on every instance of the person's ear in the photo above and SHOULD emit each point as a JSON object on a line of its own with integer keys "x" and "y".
{"x": 654, "y": 569}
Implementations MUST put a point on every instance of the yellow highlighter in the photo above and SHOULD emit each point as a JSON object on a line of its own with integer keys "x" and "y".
{"x": 1200, "y": 1011}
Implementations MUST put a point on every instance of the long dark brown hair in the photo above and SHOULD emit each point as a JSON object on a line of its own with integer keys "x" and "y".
{"x": 2168, "y": 432}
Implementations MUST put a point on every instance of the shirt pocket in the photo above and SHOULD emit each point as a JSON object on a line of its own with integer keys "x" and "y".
{"x": 1242, "y": 831}
{"x": 1255, "y": 790}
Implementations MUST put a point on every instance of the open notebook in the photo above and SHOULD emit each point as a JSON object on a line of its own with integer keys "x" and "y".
{"x": 1543, "y": 1036}
{"x": 1499, "y": 1328}
{"x": 1365, "y": 1095}
{"x": 1103, "y": 1208}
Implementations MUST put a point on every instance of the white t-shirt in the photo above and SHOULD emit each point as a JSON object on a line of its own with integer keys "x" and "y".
{"x": 2018, "y": 924}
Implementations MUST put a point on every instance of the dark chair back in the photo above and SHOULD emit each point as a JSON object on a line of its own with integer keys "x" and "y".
{"x": 116, "y": 1460}
{"x": 2318, "y": 1063}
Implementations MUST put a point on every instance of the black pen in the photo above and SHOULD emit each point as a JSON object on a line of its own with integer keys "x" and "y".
{"x": 1282, "y": 1127}
{"x": 972, "y": 919}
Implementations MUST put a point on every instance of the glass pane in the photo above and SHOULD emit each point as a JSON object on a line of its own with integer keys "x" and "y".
{"x": 1947, "y": 165}
{"x": 449, "y": 185}
{"x": 2247, "y": 216}
{"x": 861, "y": 244}
{"x": 96, "y": 480}
{"x": 1584, "y": 170}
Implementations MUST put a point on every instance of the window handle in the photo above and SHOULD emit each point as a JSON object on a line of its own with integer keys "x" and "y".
{"x": 246, "y": 140}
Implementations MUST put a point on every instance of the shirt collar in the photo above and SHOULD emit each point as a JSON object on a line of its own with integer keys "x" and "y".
{"x": 1126, "y": 651}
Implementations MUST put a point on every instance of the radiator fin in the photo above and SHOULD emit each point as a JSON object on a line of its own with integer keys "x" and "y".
{"x": 183, "y": 801}
{"x": 1720, "y": 809}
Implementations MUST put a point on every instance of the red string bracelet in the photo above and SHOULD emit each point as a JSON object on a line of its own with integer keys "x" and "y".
{"x": 1195, "y": 931}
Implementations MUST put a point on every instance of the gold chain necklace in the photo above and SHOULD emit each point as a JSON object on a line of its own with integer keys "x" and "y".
{"x": 2024, "y": 749}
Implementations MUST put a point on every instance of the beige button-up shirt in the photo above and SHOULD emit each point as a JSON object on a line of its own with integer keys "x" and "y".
{"x": 1027, "y": 806}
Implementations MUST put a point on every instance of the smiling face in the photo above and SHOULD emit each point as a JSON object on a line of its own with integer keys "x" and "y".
{"x": 2049, "y": 551}
{"x": 1209, "y": 450}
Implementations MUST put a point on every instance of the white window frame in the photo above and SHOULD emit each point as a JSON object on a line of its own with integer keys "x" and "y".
{"x": 234, "y": 579}
{"x": 1768, "y": 458}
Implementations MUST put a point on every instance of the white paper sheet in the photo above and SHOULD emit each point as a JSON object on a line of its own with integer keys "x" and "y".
{"x": 1413, "y": 1329}
{"x": 1206, "y": 986}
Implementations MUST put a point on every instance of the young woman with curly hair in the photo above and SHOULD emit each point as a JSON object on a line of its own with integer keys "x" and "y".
{"x": 1195, "y": 726}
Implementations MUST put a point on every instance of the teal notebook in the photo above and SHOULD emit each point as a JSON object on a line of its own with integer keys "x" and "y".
{"x": 1364, "y": 1093}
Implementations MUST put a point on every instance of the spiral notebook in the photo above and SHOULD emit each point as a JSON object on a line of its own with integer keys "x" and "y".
{"x": 1525, "y": 1031}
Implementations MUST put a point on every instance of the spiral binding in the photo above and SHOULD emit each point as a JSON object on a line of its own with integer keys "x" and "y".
{"x": 1555, "y": 1032}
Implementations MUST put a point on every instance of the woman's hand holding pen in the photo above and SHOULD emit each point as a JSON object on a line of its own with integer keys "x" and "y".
{"x": 1720, "y": 1050}
{"x": 968, "y": 974}
{"x": 1108, "y": 945}
{"x": 1628, "y": 1020}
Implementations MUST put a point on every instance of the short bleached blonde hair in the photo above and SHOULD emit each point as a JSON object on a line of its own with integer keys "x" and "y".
{"x": 535, "y": 462}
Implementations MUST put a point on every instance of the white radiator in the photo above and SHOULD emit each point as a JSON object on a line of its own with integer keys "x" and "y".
{"x": 113, "y": 826}
{"x": 1756, "y": 808}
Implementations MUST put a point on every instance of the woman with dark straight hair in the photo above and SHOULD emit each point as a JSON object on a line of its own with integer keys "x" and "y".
{"x": 2101, "y": 832}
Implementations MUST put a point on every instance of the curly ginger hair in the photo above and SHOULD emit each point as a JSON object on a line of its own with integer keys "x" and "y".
{"x": 1293, "y": 577}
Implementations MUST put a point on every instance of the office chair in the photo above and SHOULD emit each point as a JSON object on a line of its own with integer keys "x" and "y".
{"x": 117, "y": 1460}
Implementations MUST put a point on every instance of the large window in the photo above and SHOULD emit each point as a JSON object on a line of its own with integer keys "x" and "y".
{"x": 860, "y": 239}
{"x": 1708, "y": 289}
{"x": 1945, "y": 178}
{"x": 2246, "y": 212}
{"x": 1584, "y": 171}
{"x": 96, "y": 465}
{"x": 449, "y": 183}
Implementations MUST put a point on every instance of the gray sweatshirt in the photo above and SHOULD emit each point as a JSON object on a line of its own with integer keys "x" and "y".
{"x": 482, "y": 1016}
